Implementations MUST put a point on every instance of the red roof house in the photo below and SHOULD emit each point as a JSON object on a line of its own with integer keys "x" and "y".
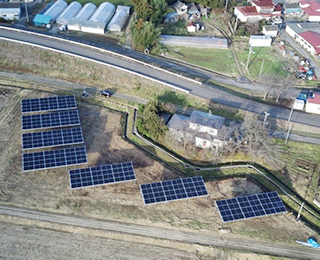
{"x": 263, "y": 6}
{"x": 313, "y": 103}
{"x": 310, "y": 41}
{"x": 311, "y": 8}
{"x": 247, "y": 14}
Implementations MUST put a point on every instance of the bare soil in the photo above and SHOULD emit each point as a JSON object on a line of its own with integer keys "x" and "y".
{"x": 49, "y": 189}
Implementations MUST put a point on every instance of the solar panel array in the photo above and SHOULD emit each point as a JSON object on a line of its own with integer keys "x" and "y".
{"x": 101, "y": 175}
{"x": 173, "y": 190}
{"x": 51, "y": 120}
{"x": 54, "y": 158}
{"x": 250, "y": 206}
{"x": 52, "y": 138}
{"x": 48, "y": 104}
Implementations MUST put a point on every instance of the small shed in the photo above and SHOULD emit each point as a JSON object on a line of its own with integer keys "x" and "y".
{"x": 41, "y": 20}
{"x": 270, "y": 30}
{"x": 56, "y": 9}
{"x": 10, "y": 11}
{"x": 119, "y": 19}
{"x": 260, "y": 41}
{"x": 180, "y": 7}
{"x": 291, "y": 9}
{"x": 298, "y": 104}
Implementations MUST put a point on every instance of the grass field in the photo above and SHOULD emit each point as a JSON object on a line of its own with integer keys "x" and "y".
{"x": 217, "y": 60}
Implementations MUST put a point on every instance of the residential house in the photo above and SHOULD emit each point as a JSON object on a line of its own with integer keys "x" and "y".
{"x": 310, "y": 41}
{"x": 311, "y": 9}
{"x": 247, "y": 14}
{"x": 292, "y": 9}
{"x": 313, "y": 103}
{"x": 202, "y": 128}
{"x": 193, "y": 11}
{"x": 260, "y": 9}
{"x": 180, "y": 7}
{"x": 193, "y": 27}
{"x": 260, "y": 41}
{"x": 270, "y": 30}
{"x": 10, "y": 11}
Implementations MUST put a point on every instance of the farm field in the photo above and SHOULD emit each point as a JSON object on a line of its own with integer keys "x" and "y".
{"x": 49, "y": 189}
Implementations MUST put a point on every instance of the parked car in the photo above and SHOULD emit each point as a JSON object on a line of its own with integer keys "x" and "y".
{"x": 105, "y": 93}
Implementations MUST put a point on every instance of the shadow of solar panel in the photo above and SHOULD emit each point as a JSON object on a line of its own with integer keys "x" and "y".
{"x": 250, "y": 206}
{"x": 54, "y": 158}
{"x": 101, "y": 175}
{"x": 50, "y": 120}
{"x": 52, "y": 138}
{"x": 173, "y": 190}
{"x": 48, "y": 104}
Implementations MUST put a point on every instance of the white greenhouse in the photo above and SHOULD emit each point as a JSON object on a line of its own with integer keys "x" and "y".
{"x": 104, "y": 13}
{"x": 119, "y": 19}
{"x": 56, "y": 9}
{"x": 70, "y": 12}
{"x": 87, "y": 11}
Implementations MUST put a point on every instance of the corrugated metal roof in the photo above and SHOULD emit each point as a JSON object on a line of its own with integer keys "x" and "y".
{"x": 56, "y": 9}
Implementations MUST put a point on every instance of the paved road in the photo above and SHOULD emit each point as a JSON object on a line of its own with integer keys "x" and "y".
{"x": 204, "y": 91}
{"x": 161, "y": 233}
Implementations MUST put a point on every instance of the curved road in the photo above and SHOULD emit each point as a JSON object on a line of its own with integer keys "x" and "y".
{"x": 161, "y": 233}
{"x": 204, "y": 91}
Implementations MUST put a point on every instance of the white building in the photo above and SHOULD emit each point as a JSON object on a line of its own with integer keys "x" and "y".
{"x": 260, "y": 41}
{"x": 270, "y": 30}
{"x": 313, "y": 103}
{"x": 119, "y": 19}
{"x": 56, "y": 9}
{"x": 298, "y": 104}
{"x": 10, "y": 11}
{"x": 69, "y": 12}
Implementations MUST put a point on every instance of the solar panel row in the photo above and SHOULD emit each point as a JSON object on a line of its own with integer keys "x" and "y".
{"x": 173, "y": 190}
{"x": 54, "y": 158}
{"x": 51, "y": 120}
{"x": 48, "y": 104}
{"x": 100, "y": 175}
{"x": 52, "y": 138}
{"x": 250, "y": 206}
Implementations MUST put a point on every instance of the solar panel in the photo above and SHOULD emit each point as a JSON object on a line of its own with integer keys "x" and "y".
{"x": 48, "y": 104}
{"x": 50, "y": 120}
{"x": 101, "y": 175}
{"x": 173, "y": 190}
{"x": 250, "y": 206}
{"x": 52, "y": 138}
{"x": 54, "y": 158}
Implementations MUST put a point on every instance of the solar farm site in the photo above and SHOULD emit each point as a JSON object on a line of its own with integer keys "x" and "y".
{"x": 50, "y": 190}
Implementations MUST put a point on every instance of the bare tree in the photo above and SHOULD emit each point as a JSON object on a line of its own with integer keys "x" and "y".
{"x": 281, "y": 89}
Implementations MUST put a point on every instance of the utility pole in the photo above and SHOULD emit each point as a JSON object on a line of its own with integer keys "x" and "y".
{"x": 261, "y": 68}
{"x": 290, "y": 124}
{"x": 27, "y": 14}
{"x": 300, "y": 211}
{"x": 235, "y": 25}
{"x": 226, "y": 7}
{"x": 266, "y": 114}
{"x": 250, "y": 50}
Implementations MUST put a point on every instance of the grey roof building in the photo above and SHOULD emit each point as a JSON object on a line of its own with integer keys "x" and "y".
{"x": 206, "y": 119}
{"x": 179, "y": 122}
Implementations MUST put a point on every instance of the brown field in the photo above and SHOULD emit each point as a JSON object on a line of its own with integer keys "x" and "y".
{"x": 49, "y": 189}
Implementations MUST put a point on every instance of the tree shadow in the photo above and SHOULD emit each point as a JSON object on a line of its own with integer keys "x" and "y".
{"x": 174, "y": 98}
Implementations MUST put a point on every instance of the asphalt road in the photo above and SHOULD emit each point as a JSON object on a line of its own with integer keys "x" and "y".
{"x": 299, "y": 252}
{"x": 204, "y": 91}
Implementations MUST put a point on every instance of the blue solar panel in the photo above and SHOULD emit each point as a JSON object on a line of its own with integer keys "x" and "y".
{"x": 54, "y": 158}
{"x": 250, "y": 206}
{"x": 48, "y": 104}
{"x": 50, "y": 120}
{"x": 173, "y": 190}
{"x": 101, "y": 175}
{"x": 52, "y": 138}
